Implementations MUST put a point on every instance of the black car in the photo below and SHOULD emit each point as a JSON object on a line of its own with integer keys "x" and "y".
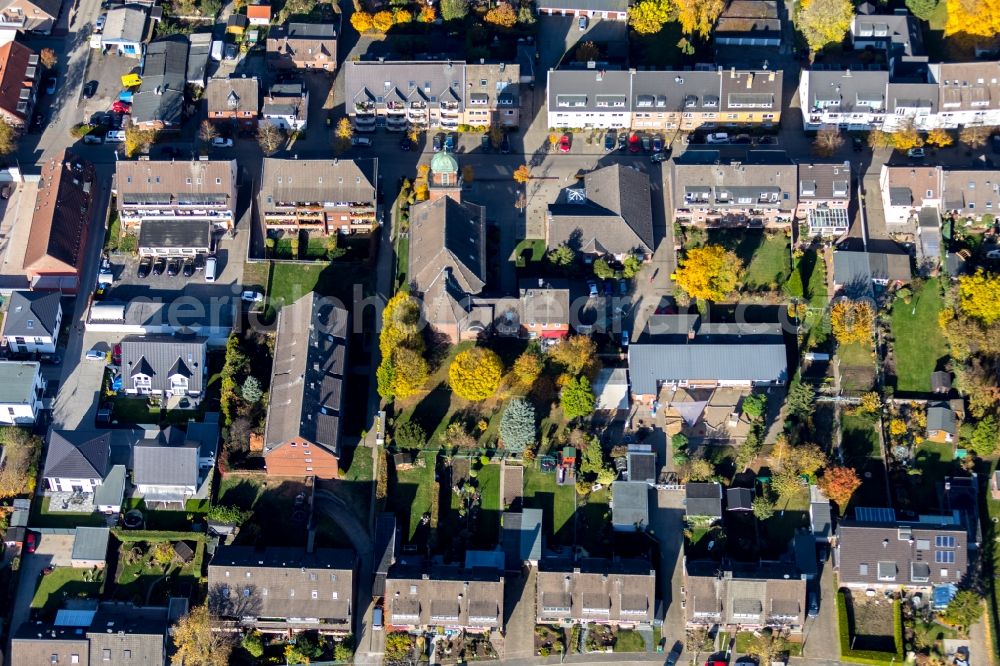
{"x": 661, "y": 156}
{"x": 104, "y": 413}
{"x": 145, "y": 265}
{"x": 485, "y": 144}
{"x": 675, "y": 654}
{"x": 90, "y": 89}
{"x": 647, "y": 143}
{"x": 159, "y": 266}
{"x": 199, "y": 262}
{"x": 405, "y": 144}
{"x": 188, "y": 267}
{"x": 174, "y": 267}
{"x": 623, "y": 141}
{"x": 857, "y": 144}
{"x": 505, "y": 144}
{"x": 610, "y": 140}
{"x": 438, "y": 143}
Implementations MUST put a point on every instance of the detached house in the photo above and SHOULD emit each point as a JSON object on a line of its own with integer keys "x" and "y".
{"x": 286, "y": 106}
{"x": 21, "y": 391}
{"x": 942, "y": 422}
{"x": 279, "y": 590}
{"x": 610, "y": 215}
{"x": 38, "y": 16}
{"x": 20, "y": 74}
{"x": 469, "y": 599}
{"x": 171, "y": 466}
{"x": 59, "y": 225}
{"x": 32, "y": 322}
{"x": 172, "y": 367}
{"x": 896, "y": 554}
{"x": 188, "y": 191}
{"x": 308, "y": 46}
{"x": 77, "y": 461}
{"x": 620, "y": 592}
{"x": 321, "y": 196}
{"x": 234, "y": 100}
{"x": 302, "y": 436}
{"x": 758, "y": 190}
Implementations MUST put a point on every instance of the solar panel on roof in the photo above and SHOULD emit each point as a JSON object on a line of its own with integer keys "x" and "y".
{"x": 869, "y": 514}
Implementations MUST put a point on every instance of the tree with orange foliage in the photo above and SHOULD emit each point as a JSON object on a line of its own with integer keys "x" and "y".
{"x": 980, "y": 18}
{"x": 839, "y": 483}
{"x": 502, "y": 15}
{"x": 428, "y": 14}
{"x": 522, "y": 174}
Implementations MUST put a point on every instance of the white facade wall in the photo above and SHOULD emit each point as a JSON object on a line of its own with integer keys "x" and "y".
{"x": 67, "y": 485}
{"x": 608, "y": 120}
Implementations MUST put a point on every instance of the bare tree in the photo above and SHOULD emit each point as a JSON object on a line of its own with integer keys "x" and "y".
{"x": 828, "y": 141}
{"x": 207, "y": 131}
{"x": 270, "y": 137}
{"x": 974, "y": 136}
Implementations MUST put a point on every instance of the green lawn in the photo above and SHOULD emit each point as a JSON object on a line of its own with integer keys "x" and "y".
{"x": 558, "y": 503}
{"x": 769, "y": 266}
{"x": 743, "y": 639}
{"x": 857, "y": 367}
{"x": 41, "y": 516}
{"x": 808, "y": 280}
{"x": 529, "y": 250}
{"x": 860, "y": 444}
{"x": 919, "y": 346}
{"x": 256, "y": 275}
{"x": 402, "y": 259}
{"x": 134, "y": 410}
{"x": 627, "y": 640}
{"x": 241, "y": 491}
{"x": 66, "y": 583}
{"x": 145, "y": 579}
{"x": 411, "y": 492}
{"x": 290, "y": 282}
{"x": 272, "y": 505}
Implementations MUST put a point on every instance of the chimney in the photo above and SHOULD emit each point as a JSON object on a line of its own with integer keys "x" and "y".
{"x": 732, "y": 73}
{"x": 749, "y": 80}
{"x": 770, "y": 77}
{"x": 691, "y": 333}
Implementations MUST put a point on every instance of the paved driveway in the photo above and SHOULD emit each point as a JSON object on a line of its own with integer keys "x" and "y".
{"x": 666, "y": 521}
{"x": 519, "y": 608}
{"x": 52, "y": 550}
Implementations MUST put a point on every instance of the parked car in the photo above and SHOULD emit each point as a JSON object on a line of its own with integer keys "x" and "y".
{"x": 647, "y": 143}
{"x": 485, "y": 144}
{"x": 916, "y": 153}
{"x": 857, "y": 144}
{"x": 159, "y": 266}
{"x": 104, "y": 413}
{"x": 659, "y": 157}
{"x": 199, "y": 262}
{"x": 96, "y": 354}
{"x": 92, "y": 139}
{"x": 993, "y": 254}
{"x": 625, "y": 337}
{"x": 768, "y": 140}
{"x": 564, "y": 143}
{"x": 251, "y": 296}
{"x": 505, "y": 144}
{"x": 145, "y": 265}
{"x": 582, "y": 23}
{"x": 675, "y": 654}
{"x": 89, "y": 89}
{"x": 210, "y": 265}
{"x": 717, "y": 137}
{"x": 657, "y": 143}
{"x": 634, "y": 143}
{"x": 610, "y": 141}
{"x": 115, "y": 136}
{"x": 450, "y": 140}
{"x": 438, "y": 142}
{"x": 623, "y": 287}
{"x": 31, "y": 542}
{"x": 174, "y": 267}
{"x": 99, "y": 23}
{"x": 608, "y": 288}
{"x": 222, "y": 142}
{"x": 363, "y": 141}
{"x": 812, "y": 604}
{"x": 995, "y": 143}
{"x": 592, "y": 287}
{"x": 231, "y": 52}
{"x": 622, "y": 141}
{"x": 121, "y": 107}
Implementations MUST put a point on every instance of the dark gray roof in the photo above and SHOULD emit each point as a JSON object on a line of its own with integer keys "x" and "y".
{"x": 315, "y": 181}
{"x": 168, "y": 459}
{"x": 613, "y": 215}
{"x": 17, "y": 382}
{"x": 856, "y": 91}
{"x": 77, "y": 454}
{"x": 31, "y": 314}
{"x": 899, "y": 33}
{"x": 164, "y": 75}
{"x": 385, "y": 551}
{"x": 900, "y": 196}
{"x": 739, "y": 499}
{"x": 206, "y": 433}
{"x": 522, "y": 537}
{"x": 90, "y": 543}
{"x": 175, "y": 234}
{"x": 941, "y": 417}
{"x": 821, "y": 519}
{"x": 312, "y": 30}
{"x": 427, "y": 82}
{"x": 652, "y": 362}
{"x": 824, "y": 180}
{"x": 941, "y": 381}
{"x": 581, "y": 91}
{"x": 198, "y": 55}
{"x": 884, "y": 261}
{"x": 120, "y": 629}
{"x": 642, "y": 466}
{"x": 448, "y": 236}
{"x": 165, "y": 356}
{"x": 703, "y": 499}
{"x": 908, "y": 96}
{"x": 885, "y": 553}
{"x": 630, "y": 504}
{"x": 309, "y": 372}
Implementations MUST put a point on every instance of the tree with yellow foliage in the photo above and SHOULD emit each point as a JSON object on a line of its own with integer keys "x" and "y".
{"x": 877, "y": 139}
{"x": 647, "y": 17}
{"x": 906, "y": 138}
{"x": 198, "y": 642}
{"x": 401, "y": 16}
{"x": 974, "y": 136}
{"x": 137, "y": 140}
{"x": 382, "y": 21}
{"x": 978, "y": 296}
{"x": 475, "y": 374}
{"x": 852, "y": 321}
{"x": 522, "y": 174}
{"x": 361, "y": 21}
{"x": 502, "y": 15}
{"x": 897, "y": 427}
{"x": 980, "y": 18}
{"x": 699, "y": 16}
{"x": 825, "y": 22}
{"x": 709, "y": 273}
{"x": 941, "y": 138}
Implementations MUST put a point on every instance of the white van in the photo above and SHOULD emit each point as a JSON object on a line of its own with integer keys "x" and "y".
{"x": 210, "y": 269}
{"x": 115, "y": 136}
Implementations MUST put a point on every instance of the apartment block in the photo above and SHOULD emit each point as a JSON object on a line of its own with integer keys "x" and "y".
{"x": 176, "y": 190}
{"x": 325, "y": 196}
{"x": 666, "y": 100}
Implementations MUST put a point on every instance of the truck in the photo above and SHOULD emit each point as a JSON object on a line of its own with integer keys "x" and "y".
{"x": 217, "y": 50}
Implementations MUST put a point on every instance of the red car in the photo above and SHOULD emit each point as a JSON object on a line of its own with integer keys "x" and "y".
{"x": 634, "y": 143}
{"x": 30, "y": 542}
{"x": 564, "y": 144}
{"x": 120, "y": 107}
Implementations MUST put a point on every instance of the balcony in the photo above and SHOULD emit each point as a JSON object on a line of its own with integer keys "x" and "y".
{"x": 450, "y": 123}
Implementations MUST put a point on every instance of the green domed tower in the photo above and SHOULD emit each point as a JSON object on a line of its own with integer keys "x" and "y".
{"x": 444, "y": 179}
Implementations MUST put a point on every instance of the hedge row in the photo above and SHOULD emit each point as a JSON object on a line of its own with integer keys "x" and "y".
{"x": 868, "y": 657}
{"x": 155, "y": 536}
